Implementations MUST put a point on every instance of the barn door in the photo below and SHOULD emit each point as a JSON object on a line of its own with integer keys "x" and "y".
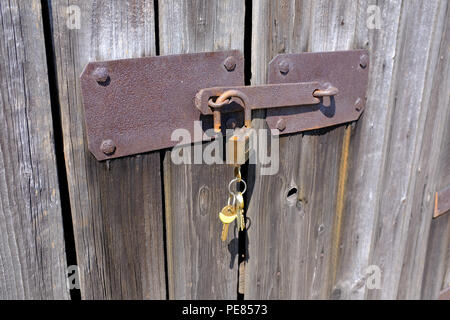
{"x": 141, "y": 223}
{"x": 344, "y": 198}
{"x": 356, "y": 199}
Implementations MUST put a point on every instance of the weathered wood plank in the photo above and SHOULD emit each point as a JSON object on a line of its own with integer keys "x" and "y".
{"x": 116, "y": 205}
{"x": 446, "y": 283}
{"x": 291, "y": 251}
{"x": 357, "y": 223}
{"x": 32, "y": 253}
{"x": 373, "y": 148}
{"x": 200, "y": 266}
{"x": 429, "y": 171}
{"x": 410, "y": 105}
{"x": 367, "y": 150}
{"x": 436, "y": 273}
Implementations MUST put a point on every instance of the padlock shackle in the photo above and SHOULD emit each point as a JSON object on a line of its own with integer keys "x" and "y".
{"x": 226, "y": 96}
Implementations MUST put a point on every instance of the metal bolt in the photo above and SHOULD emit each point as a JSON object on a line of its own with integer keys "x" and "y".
{"x": 108, "y": 147}
{"x": 230, "y": 63}
{"x": 363, "y": 61}
{"x": 101, "y": 75}
{"x": 231, "y": 123}
{"x": 284, "y": 67}
{"x": 358, "y": 104}
{"x": 281, "y": 124}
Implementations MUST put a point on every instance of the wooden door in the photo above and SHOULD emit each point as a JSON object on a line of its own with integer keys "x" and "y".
{"x": 344, "y": 201}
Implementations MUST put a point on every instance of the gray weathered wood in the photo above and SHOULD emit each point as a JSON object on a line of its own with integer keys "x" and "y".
{"x": 367, "y": 150}
{"x": 437, "y": 262}
{"x": 361, "y": 199}
{"x": 200, "y": 266}
{"x": 32, "y": 252}
{"x": 430, "y": 171}
{"x": 409, "y": 103}
{"x": 436, "y": 272}
{"x": 291, "y": 242}
{"x": 116, "y": 205}
{"x": 389, "y": 158}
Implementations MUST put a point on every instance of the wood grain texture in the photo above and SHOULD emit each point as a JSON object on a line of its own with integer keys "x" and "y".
{"x": 32, "y": 253}
{"x": 409, "y": 103}
{"x": 367, "y": 204}
{"x": 389, "y": 158}
{"x": 291, "y": 246}
{"x": 436, "y": 273}
{"x": 430, "y": 171}
{"x": 116, "y": 205}
{"x": 200, "y": 266}
{"x": 367, "y": 149}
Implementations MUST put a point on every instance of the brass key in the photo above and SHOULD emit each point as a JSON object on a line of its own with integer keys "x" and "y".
{"x": 227, "y": 216}
{"x": 237, "y": 154}
{"x": 240, "y": 211}
{"x": 239, "y": 199}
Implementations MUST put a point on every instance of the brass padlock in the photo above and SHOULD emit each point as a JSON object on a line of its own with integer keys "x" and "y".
{"x": 238, "y": 146}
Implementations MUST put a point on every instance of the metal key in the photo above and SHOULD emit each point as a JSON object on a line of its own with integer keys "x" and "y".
{"x": 227, "y": 216}
{"x": 239, "y": 199}
{"x": 240, "y": 211}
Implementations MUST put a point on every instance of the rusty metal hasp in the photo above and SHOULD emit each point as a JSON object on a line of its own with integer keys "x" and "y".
{"x": 135, "y": 105}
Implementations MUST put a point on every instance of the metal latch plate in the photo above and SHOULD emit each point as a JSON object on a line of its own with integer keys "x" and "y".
{"x": 346, "y": 70}
{"x": 134, "y": 105}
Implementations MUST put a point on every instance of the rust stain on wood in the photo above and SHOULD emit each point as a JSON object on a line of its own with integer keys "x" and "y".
{"x": 168, "y": 226}
{"x": 340, "y": 200}
{"x": 442, "y": 202}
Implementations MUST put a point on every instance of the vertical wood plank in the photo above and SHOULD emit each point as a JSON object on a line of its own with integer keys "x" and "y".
{"x": 410, "y": 104}
{"x": 116, "y": 205}
{"x": 436, "y": 273}
{"x": 430, "y": 171}
{"x": 368, "y": 150}
{"x": 32, "y": 253}
{"x": 392, "y": 62}
{"x": 200, "y": 265}
{"x": 290, "y": 242}
{"x": 358, "y": 191}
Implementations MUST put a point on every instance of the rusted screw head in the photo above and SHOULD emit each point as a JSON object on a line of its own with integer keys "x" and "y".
{"x": 358, "y": 104}
{"x": 363, "y": 61}
{"x": 108, "y": 147}
{"x": 101, "y": 75}
{"x": 230, "y": 63}
{"x": 281, "y": 124}
{"x": 284, "y": 67}
{"x": 231, "y": 123}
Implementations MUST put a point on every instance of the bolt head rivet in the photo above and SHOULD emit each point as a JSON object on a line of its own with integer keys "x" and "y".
{"x": 363, "y": 61}
{"x": 281, "y": 124}
{"x": 101, "y": 75}
{"x": 358, "y": 104}
{"x": 108, "y": 147}
{"x": 230, "y": 63}
{"x": 284, "y": 67}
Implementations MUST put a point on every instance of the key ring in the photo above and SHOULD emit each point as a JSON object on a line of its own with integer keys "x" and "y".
{"x": 237, "y": 180}
{"x": 234, "y": 199}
